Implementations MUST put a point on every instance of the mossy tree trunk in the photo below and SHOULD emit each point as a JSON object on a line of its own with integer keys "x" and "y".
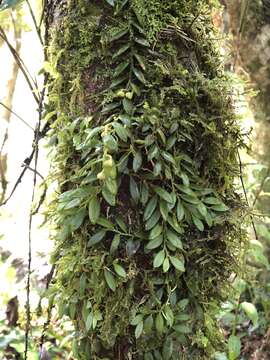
{"x": 144, "y": 148}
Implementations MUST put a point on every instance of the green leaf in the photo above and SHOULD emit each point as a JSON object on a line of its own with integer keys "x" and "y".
{"x": 92, "y": 133}
{"x": 144, "y": 194}
{"x": 175, "y": 225}
{"x": 119, "y": 270}
{"x": 183, "y": 317}
{"x": 134, "y": 190}
{"x": 182, "y": 329}
{"x": 121, "y": 131}
{"x": 128, "y": 106}
{"x": 120, "y": 68}
{"x": 163, "y": 194}
{"x": 202, "y": 209}
{"x": 110, "y": 2}
{"x": 174, "y": 239}
{"x": 159, "y": 258}
{"x": 190, "y": 199}
{"x": 139, "y": 330}
{"x": 136, "y": 89}
{"x": 111, "y": 185}
{"x": 115, "y": 243}
{"x": 163, "y": 207}
{"x": 251, "y": 312}
{"x": 157, "y": 169}
{"x": 138, "y": 27}
{"x": 234, "y": 347}
{"x": 140, "y": 61}
{"x": 186, "y": 190}
{"x": 105, "y": 223}
{"x": 155, "y": 232}
{"x": 180, "y": 211}
{"x": 109, "y": 107}
{"x": 108, "y": 196}
{"x": 94, "y": 210}
{"x": 221, "y": 208}
{"x": 77, "y": 220}
{"x": 152, "y": 221}
{"x": 72, "y": 204}
{"x": 139, "y": 75}
{"x": 118, "y": 81}
{"x": 132, "y": 247}
{"x": 89, "y": 321}
{"x": 185, "y": 179}
{"x": 159, "y": 323}
{"x": 182, "y": 304}
{"x": 150, "y": 208}
{"x": 96, "y": 238}
{"x": 110, "y": 280}
{"x": 177, "y": 263}
{"x": 166, "y": 265}
{"x": 137, "y": 161}
{"x": 168, "y": 157}
{"x": 169, "y": 316}
{"x": 82, "y": 284}
{"x": 155, "y": 243}
{"x": 212, "y": 201}
{"x": 167, "y": 349}
{"x": 162, "y": 136}
{"x": 171, "y": 142}
{"x": 136, "y": 320}
{"x": 142, "y": 41}
{"x": 122, "y": 49}
{"x": 118, "y": 34}
{"x": 97, "y": 317}
{"x": 75, "y": 348}
{"x": 198, "y": 223}
{"x": 148, "y": 324}
{"x": 121, "y": 224}
{"x": 110, "y": 143}
{"x": 153, "y": 153}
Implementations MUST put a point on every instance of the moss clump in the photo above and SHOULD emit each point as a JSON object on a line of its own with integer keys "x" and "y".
{"x": 147, "y": 223}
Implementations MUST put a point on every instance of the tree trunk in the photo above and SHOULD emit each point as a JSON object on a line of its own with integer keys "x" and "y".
{"x": 144, "y": 149}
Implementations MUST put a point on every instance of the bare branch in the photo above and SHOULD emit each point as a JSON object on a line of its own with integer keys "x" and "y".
{"x": 18, "y": 116}
{"x": 30, "y": 81}
{"x": 35, "y": 22}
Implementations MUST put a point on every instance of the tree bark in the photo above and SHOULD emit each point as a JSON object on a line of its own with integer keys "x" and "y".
{"x": 147, "y": 223}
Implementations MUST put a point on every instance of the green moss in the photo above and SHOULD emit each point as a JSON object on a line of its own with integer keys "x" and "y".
{"x": 144, "y": 120}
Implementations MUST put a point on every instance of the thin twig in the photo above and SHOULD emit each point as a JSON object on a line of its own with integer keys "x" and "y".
{"x": 42, "y": 15}
{"x": 245, "y": 193}
{"x": 27, "y": 161}
{"x": 49, "y": 310}
{"x": 35, "y": 22}
{"x": 34, "y": 171}
{"x": 28, "y": 287}
{"x": 23, "y": 68}
{"x": 38, "y": 135}
{"x": 18, "y": 116}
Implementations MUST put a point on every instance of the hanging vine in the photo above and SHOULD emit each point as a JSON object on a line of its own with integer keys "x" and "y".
{"x": 147, "y": 222}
